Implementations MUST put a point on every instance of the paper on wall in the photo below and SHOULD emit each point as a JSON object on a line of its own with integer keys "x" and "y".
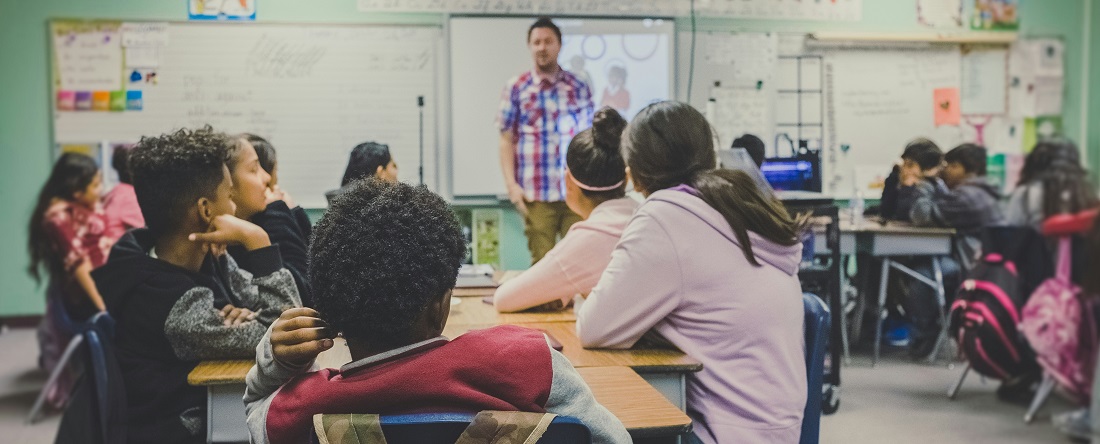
{"x": 1048, "y": 95}
{"x": 752, "y": 55}
{"x": 144, "y": 34}
{"x": 984, "y": 82}
{"x": 142, "y": 57}
{"x": 89, "y": 60}
{"x": 741, "y": 111}
{"x": 940, "y": 13}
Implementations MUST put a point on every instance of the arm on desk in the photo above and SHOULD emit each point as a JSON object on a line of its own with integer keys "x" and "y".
{"x": 562, "y": 273}
{"x": 639, "y": 288}
{"x": 570, "y": 396}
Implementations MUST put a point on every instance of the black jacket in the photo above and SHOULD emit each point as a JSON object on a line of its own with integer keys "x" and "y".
{"x": 168, "y": 319}
{"x": 290, "y": 229}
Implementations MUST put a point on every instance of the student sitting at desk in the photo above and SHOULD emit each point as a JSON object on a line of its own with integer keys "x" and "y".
{"x": 264, "y": 204}
{"x": 175, "y": 299}
{"x": 710, "y": 263}
{"x": 1051, "y": 182}
{"x": 595, "y": 189}
{"x": 962, "y": 200}
{"x": 384, "y": 260}
{"x": 370, "y": 159}
{"x": 921, "y": 159}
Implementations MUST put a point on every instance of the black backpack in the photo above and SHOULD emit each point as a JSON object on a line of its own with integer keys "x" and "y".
{"x": 984, "y": 319}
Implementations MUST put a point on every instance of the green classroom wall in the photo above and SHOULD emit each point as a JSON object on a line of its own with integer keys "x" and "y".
{"x": 25, "y": 112}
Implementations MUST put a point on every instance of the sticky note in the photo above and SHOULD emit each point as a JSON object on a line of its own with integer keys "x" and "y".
{"x": 133, "y": 101}
{"x": 118, "y": 101}
{"x": 66, "y": 100}
{"x": 101, "y": 100}
{"x": 945, "y": 105}
{"x": 83, "y": 100}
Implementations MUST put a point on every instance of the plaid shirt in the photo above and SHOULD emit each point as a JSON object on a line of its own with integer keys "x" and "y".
{"x": 543, "y": 115}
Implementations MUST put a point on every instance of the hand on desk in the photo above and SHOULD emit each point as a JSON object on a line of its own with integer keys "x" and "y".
{"x": 299, "y": 336}
{"x": 236, "y": 316}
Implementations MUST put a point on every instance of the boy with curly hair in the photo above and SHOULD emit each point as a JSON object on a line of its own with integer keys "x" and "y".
{"x": 177, "y": 299}
{"x": 383, "y": 262}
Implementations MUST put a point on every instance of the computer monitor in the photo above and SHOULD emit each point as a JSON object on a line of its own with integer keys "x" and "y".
{"x": 802, "y": 173}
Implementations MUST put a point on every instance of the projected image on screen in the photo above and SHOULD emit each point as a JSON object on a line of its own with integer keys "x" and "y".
{"x": 624, "y": 71}
{"x": 627, "y": 63}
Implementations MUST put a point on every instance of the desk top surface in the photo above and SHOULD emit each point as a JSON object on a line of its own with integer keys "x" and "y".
{"x": 474, "y": 311}
{"x": 874, "y": 225}
{"x": 640, "y": 407}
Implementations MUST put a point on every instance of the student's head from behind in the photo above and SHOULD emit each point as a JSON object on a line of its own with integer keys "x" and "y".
{"x": 965, "y": 161}
{"x": 120, "y": 161}
{"x": 922, "y": 157}
{"x": 544, "y": 42}
{"x": 1055, "y": 164}
{"x": 250, "y": 181}
{"x": 383, "y": 261}
{"x": 596, "y": 171}
{"x": 74, "y": 178}
{"x": 670, "y": 144}
{"x": 266, "y": 153}
{"x": 369, "y": 160}
{"x": 181, "y": 180}
{"x": 753, "y": 145}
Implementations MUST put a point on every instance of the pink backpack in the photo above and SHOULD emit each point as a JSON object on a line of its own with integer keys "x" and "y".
{"x": 1061, "y": 329}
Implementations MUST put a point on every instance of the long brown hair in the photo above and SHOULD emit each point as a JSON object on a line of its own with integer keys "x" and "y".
{"x": 670, "y": 144}
{"x": 1056, "y": 164}
{"x": 71, "y": 174}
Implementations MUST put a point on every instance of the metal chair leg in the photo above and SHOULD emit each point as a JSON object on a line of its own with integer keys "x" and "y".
{"x": 881, "y": 309}
{"x": 1040, "y": 398}
{"x": 941, "y": 299}
{"x": 70, "y": 349}
{"x": 954, "y": 390}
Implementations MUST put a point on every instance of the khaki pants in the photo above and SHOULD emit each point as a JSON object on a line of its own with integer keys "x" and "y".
{"x": 545, "y": 222}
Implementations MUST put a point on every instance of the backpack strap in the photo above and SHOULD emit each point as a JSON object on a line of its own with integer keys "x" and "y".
{"x": 1065, "y": 258}
{"x": 516, "y": 427}
{"x": 348, "y": 428}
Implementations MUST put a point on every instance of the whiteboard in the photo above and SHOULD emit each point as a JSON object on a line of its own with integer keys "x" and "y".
{"x": 644, "y": 47}
{"x": 878, "y": 101}
{"x": 313, "y": 91}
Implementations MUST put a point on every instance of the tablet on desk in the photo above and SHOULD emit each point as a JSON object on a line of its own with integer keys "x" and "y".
{"x": 476, "y": 281}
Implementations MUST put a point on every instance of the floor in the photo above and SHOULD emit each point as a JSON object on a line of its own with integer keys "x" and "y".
{"x": 897, "y": 402}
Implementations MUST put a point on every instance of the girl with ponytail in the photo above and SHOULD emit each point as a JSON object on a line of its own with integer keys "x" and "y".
{"x": 595, "y": 189}
{"x": 709, "y": 263}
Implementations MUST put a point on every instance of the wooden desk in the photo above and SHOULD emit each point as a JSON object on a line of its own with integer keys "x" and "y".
{"x": 643, "y": 410}
{"x": 473, "y": 311}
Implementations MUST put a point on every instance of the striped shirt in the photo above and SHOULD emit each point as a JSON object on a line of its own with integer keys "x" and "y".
{"x": 543, "y": 115}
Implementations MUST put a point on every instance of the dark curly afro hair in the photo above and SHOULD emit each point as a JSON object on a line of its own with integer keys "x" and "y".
{"x": 172, "y": 171}
{"x": 382, "y": 253}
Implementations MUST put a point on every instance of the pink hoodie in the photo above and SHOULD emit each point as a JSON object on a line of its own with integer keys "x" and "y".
{"x": 680, "y": 271}
{"x": 574, "y": 265}
{"x": 122, "y": 210}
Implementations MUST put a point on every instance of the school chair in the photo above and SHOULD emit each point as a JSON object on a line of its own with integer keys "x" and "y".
{"x": 816, "y": 329}
{"x": 96, "y": 411}
{"x": 439, "y": 428}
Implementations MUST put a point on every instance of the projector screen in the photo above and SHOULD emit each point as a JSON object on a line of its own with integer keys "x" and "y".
{"x": 486, "y": 52}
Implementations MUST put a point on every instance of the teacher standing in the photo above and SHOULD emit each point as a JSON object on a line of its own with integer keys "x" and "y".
{"x": 540, "y": 112}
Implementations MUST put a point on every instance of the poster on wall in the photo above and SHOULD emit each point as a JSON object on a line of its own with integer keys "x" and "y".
{"x": 236, "y": 10}
{"x": 996, "y": 15}
{"x": 940, "y": 13}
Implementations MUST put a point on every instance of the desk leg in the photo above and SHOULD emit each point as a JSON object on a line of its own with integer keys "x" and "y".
{"x": 941, "y": 298}
{"x": 880, "y": 310}
{"x": 225, "y": 416}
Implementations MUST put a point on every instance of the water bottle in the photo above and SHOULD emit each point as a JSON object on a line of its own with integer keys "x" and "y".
{"x": 857, "y": 209}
